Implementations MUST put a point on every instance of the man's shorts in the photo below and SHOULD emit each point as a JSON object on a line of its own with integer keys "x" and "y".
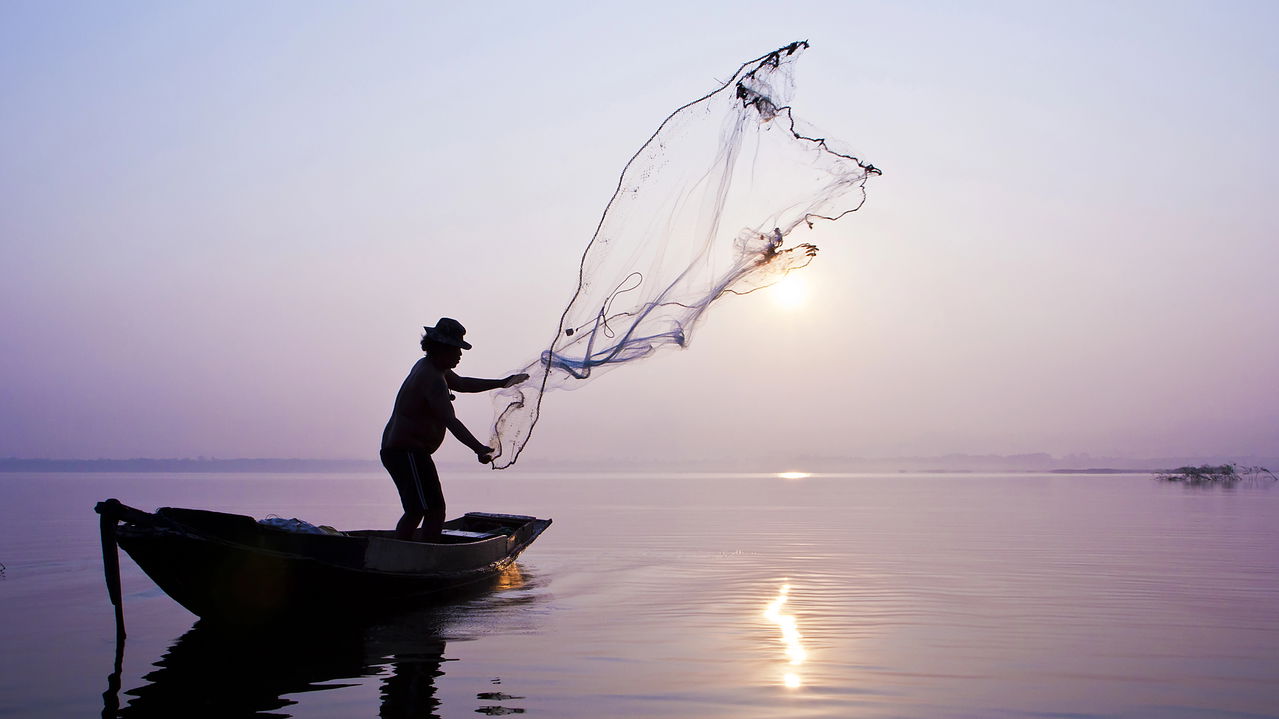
{"x": 416, "y": 479}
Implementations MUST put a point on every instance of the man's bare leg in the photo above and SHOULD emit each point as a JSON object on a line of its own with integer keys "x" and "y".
{"x": 433, "y": 524}
{"x": 404, "y": 528}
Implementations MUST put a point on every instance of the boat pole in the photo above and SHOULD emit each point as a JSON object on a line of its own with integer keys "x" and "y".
{"x": 111, "y": 560}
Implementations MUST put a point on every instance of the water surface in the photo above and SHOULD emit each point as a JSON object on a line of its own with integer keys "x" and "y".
{"x": 693, "y": 596}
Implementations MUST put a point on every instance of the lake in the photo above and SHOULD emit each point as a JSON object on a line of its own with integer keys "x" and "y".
{"x": 659, "y": 595}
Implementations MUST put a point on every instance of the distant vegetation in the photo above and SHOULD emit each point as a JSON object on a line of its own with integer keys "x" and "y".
{"x": 199, "y": 464}
{"x": 1227, "y": 474}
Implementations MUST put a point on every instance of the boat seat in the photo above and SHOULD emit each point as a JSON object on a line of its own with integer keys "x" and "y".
{"x": 465, "y": 535}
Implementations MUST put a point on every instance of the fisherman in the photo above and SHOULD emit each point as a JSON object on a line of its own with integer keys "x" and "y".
{"x": 423, "y": 410}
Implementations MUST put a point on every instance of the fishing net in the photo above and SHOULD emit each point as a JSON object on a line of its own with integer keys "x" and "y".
{"x": 702, "y": 210}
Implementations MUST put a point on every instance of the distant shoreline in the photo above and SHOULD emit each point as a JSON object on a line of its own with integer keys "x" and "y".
{"x": 186, "y": 465}
{"x": 951, "y": 464}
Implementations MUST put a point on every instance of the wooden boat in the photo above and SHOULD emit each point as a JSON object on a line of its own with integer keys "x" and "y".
{"x": 230, "y": 568}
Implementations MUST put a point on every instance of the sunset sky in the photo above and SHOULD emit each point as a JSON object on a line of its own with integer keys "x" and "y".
{"x": 222, "y": 225}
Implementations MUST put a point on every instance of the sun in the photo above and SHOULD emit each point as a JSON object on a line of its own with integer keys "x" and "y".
{"x": 791, "y": 293}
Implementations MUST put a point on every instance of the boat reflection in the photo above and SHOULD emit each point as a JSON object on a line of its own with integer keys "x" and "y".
{"x": 791, "y": 639}
{"x": 213, "y": 671}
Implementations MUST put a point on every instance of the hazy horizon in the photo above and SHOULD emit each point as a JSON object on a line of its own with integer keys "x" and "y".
{"x": 784, "y": 467}
{"x": 224, "y": 225}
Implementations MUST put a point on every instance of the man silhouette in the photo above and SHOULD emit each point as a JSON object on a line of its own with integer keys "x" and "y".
{"x": 423, "y": 410}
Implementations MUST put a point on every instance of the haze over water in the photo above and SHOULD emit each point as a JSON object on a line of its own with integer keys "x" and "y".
{"x": 224, "y": 224}
{"x": 698, "y": 596}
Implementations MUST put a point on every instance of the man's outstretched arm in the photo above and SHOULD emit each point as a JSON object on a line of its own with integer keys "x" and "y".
{"x": 438, "y": 401}
{"x": 473, "y": 384}
{"x": 482, "y": 452}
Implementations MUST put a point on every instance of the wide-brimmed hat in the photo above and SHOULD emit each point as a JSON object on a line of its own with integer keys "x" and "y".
{"x": 448, "y": 331}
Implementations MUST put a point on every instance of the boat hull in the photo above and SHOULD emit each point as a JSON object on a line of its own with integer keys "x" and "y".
{"x": 228, "y": 568}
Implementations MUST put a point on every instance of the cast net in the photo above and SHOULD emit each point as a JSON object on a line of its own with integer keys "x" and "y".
{"x": 703, "y": 210}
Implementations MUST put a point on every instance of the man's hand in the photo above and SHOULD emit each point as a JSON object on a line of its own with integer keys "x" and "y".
{"x": 484, "y": 455}
{"x": 514, "y": 380}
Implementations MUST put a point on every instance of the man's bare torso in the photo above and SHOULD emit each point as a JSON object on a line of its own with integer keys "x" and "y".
{"x": 418, "y": 419}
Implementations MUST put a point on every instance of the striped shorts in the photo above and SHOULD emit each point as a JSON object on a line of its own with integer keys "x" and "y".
{"x": 416, "y": 479}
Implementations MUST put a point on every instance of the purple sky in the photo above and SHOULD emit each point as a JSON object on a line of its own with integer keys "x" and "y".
{"x": 223, "y": 224}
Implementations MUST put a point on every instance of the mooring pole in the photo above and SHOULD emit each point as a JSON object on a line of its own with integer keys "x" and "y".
{"x": 111, "y": 560}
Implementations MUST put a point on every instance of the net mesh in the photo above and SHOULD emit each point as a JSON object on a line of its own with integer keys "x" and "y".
{"x": 702, "y": 210}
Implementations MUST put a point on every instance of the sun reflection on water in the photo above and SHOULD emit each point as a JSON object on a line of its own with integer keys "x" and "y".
{"x": 791, "y": 637}
{"x": 511, "y": 578}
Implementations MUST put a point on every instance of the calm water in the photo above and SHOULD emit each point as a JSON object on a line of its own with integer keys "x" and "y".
{"x": 694, "y": 596}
